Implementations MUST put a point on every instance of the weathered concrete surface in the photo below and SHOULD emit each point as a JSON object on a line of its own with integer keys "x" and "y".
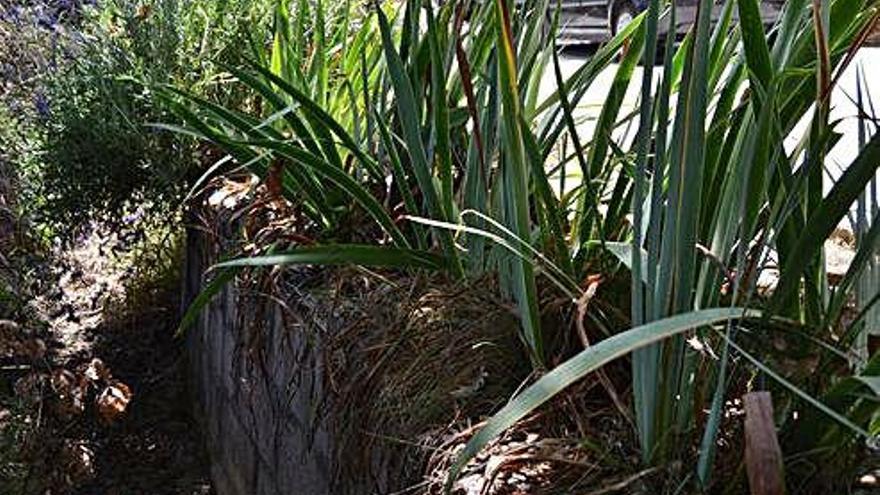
{"x": 258, "y": 414}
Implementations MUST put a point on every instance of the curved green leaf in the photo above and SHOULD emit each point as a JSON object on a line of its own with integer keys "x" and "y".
{"x": 205, "y": 296}
{"x": 342, "y": 179}
{"x": 824, "y": 220}
{"x": 343, "y": 254}
{"x": 583, "y": 363}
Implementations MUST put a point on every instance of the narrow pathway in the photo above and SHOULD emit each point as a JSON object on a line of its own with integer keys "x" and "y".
{"x": 118, "y": 419}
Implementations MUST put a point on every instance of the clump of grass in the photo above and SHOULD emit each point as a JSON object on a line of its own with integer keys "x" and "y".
{"x": 408, "y": 360}
{"x": 437, "y": 121}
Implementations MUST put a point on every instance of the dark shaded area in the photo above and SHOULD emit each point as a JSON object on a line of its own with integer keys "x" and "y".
{"x": 155, "y": 447}
{"x": 93, "y": 389}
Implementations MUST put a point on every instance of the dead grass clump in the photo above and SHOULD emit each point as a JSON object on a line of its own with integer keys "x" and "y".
{"x": 415, "y": 356}
{"x": 415, "y": 366}
{"x": 577, "y": 443}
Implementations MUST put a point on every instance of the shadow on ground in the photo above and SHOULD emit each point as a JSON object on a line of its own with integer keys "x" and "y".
{"x": 93, "y": 389}
{"x": 155, "y": 446}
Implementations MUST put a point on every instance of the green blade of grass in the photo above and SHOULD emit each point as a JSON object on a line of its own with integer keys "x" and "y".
{"x": 397, "y": 170}
{"x": 515, "y": 197}
{"x": 343, "y": 180}
{"x": 841, "y": 419}
{"x": 581, "y": 365}
{"x": 343, "y": 254}
{"x": 407, "y": 112}
{"x": 514, "y": 245}
{"x": 602, "y": 138}
{"x": 322, "y": 120}
{"x": 824, "y": 220}
{"x": 862, "y": 261}
{"x": 756, "y": 50}
{"x": 203, "y": 299}
{"x": 441, "y": 119}
{"x": 305, "y": 182}
{"x": 643, "y": 360}
{"x": 336, "y": 254}
{"x": 298, "y": 127}
{"x": 555, "y": 217}
{"x": 673, "y": 292}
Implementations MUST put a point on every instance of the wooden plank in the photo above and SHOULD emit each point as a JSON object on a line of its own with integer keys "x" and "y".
{"x": 763, "y": 455}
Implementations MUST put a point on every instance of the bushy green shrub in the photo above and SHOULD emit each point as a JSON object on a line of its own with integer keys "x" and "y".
{"x": 77, "y": 107}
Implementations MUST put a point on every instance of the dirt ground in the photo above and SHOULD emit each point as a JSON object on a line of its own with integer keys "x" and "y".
{"x": 101, "y": 404}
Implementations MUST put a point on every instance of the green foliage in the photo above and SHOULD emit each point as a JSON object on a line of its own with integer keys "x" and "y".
{"x": 75, "y": 124}
{"x": 435, "y": 120}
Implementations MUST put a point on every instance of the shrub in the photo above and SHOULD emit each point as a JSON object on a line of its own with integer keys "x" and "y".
{"x": 77, "y": 103}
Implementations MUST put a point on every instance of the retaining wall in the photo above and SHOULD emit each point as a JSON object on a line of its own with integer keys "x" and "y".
{"x": 257, "y": 414}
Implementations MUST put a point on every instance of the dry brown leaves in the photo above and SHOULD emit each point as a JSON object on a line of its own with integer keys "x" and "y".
{"x": 69, "y": 392}
{"x": 113, "y": 400}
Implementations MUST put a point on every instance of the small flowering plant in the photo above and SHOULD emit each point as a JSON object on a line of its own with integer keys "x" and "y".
{"x": 75, "y": 98}
{"x": 35, "y": 39}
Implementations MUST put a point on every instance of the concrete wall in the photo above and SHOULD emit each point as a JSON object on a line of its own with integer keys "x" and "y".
{"x": 257, "y": 399}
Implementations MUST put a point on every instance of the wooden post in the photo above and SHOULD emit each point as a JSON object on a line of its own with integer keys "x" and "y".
{"x": 763, "y": 455}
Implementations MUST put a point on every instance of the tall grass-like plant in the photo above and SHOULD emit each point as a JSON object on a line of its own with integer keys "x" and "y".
{"x": 402, "y": 121}
{"x": 426, "y": 125}
{"x": 866, "y": 226}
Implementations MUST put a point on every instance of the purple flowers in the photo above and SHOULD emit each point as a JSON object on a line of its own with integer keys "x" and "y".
{"x": 134, "y": 216}
{"x": 46, "y": 15}
{"x": 35, "y": 36}
{"x": 47, "y": 20}
{"x": 41, "y": 105}
{"x": 12, "y": 14}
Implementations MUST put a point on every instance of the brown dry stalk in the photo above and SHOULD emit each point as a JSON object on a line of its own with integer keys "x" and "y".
{"x": 763, "y": 455}
{"x": 467, "y": 84}
{"x": 582, "y": 303}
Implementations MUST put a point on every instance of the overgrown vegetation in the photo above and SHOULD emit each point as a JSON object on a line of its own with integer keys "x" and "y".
{"x": 76, "y": 100}
{"x": 75, "y": 158}
{"x": 412, "y": 135}
{"x": 429, "y": 136}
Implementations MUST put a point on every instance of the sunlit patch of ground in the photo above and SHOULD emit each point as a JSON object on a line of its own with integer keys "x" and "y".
{"x": 104, "y": 409}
